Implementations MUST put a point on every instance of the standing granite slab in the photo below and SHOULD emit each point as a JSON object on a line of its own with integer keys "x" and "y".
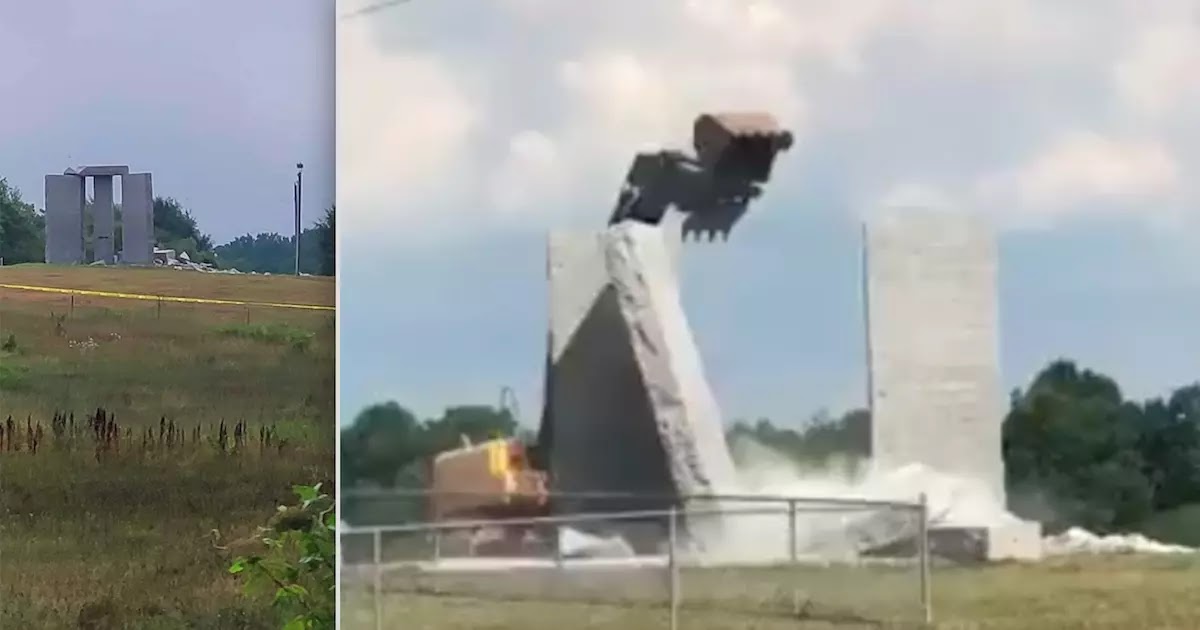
{"x": 932, "y": 337}
{"x": 103, "y": 219}
{"x": 64, "y": 219}
{"x": 137, "y": 219}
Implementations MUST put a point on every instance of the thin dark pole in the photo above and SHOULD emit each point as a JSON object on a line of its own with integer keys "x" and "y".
{"x": 299, "y": 192}
{"x": 296, "y": 223}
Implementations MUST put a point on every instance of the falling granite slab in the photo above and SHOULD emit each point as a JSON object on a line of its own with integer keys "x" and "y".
{"x": 627, "y": 408}
{"x": 686, "y": 414}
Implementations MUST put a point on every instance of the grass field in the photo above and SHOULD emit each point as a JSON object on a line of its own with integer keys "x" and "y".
{"x": 113, "y": 528}
{"x": 1119, "y": 592}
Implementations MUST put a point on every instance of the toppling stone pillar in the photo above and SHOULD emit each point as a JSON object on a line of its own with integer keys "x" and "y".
{"x": 627, "y": 407}
{"x": 64, "y": 219}
{"x": 641, "y": 269}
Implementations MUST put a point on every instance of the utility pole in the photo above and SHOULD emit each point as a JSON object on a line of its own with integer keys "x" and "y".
{"x": 297, "y": 194}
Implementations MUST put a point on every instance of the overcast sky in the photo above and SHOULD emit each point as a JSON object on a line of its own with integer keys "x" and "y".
{"x": 1072, "y": 124}
{"x": 218, "y": 99}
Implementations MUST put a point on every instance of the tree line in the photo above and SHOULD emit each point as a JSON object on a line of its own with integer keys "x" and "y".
{"x": 22, "y": 238}
{"x": 1076, "y": 450}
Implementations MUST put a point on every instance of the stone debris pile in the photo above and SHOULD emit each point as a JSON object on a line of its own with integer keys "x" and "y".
{"x": 182, "y": 261}
{"x": 1077, "y": 540}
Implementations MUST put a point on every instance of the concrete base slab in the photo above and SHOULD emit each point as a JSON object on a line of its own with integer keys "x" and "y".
{"x": 1019, "y": 540}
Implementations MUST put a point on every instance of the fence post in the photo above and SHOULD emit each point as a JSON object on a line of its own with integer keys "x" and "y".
{"x": 673, "y": 567}
{"x": 558, "y": 552}
{"x": 377, "y": 536}
{"x": 792, "y": 530}
{"x": 71, "y": 312}
{"x": 159, "y": 315}
{"x": 923, "y": 545}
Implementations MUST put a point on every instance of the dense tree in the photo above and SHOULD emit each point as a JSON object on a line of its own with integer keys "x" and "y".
{"x": 1073, "y": 442}
{"x": 820, "y": 440}
{"x": 388, "y": 446}
{"x": 173, "y": 222}
{"x": 175, "y": 228}
{"x": 383, "y": 439}
{"x": 1077, "y": 452}
{"x": 326, "y": 230}
{"x": 22, "y": 238}
{"x": 1169, "y": 441}
{"x": 265, "y": 253}
{"x": 21, "y": 228}
{"x": 269, "y": 252}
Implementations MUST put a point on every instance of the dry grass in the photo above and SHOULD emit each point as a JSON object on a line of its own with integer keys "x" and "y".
{"x": 1122, "y": 593}
{"x": 243, "y": 287}
{"x": 117, "y": 532}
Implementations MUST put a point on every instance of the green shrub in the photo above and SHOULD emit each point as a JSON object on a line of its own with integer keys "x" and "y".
{"x": 298, "y": 566}
{"x": 1180, "y": 526}
{"x": 13, "y": 377}
{"x": 271, "y": 333}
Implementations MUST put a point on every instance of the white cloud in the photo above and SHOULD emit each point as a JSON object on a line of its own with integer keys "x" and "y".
{"x": 621, "y": 101}
{"x": 531, "y": 117}
{"x": 1160, "y": 74}
{"x": 404, "y": 123}
{"x": 915, "y": 195}
{"x": 523, "y": 179}
{"x": 788, "y": 31}
{"x": 1080, "y": 167}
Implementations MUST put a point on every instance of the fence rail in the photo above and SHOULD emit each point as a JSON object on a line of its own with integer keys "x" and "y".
{"x": 475, "y": 574}
{"x": 415, "y": 493}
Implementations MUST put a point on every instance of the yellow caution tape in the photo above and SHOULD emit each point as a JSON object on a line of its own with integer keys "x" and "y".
{"x": 163, "y": 298}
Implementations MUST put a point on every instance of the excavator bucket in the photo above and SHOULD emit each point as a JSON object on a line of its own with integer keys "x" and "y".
{"x": 737, "y": 151}
{"x": 740, "y": 146}
{"x": 734, "y": 155}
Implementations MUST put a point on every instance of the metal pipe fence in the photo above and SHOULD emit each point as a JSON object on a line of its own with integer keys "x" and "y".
{"x": 417, "y": 493}
{"x": 740, "y": 555}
